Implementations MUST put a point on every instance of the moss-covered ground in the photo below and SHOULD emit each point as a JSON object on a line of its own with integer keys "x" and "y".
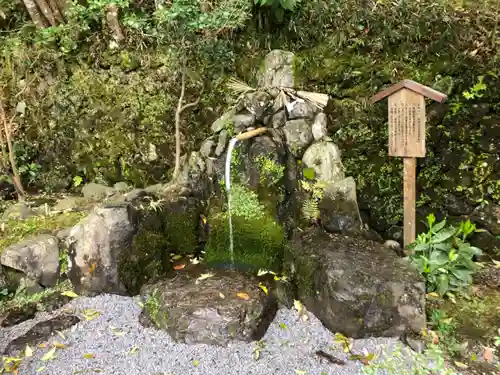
{"x": 468, "y": 327}
{"x": 16, "y": 230}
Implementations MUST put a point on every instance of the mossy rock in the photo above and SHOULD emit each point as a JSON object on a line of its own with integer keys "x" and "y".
{"x": 183, "y": 222}
{"x": 257, "y": 243}
{"x": 170, "y": 227}
{"x": 148, "y": 259}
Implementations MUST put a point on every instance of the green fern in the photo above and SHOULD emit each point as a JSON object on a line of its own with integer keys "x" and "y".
{"x": 310, "y": 209}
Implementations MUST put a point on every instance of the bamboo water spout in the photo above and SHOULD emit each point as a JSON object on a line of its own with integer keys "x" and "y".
{"x": 250, "y": 134}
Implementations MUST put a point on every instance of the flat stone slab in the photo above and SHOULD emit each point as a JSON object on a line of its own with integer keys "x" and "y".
{"x": 215, "y": 310}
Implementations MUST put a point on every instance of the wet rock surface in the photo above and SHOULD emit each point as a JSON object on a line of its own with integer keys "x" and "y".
{"x": 227, "y": 306}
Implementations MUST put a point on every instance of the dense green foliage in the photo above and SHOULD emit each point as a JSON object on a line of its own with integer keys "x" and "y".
{"x": 444, "y": 257}
{"x": 90, "y": 108}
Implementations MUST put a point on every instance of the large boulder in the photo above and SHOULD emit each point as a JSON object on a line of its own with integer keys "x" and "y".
{"x": 355, "y": 286}
{"x": 37, "y": 258}
{"x": 278, "y": 69}
{"x": 324, "y": 158}
{"x": 95, "y": 245}
{"x": 215, "y": 310}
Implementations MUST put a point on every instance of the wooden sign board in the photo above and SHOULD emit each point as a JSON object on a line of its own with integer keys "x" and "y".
{"x": 407, "y": 138}
{"x": 407, "y": 124}
{"x": 407, "y": 116}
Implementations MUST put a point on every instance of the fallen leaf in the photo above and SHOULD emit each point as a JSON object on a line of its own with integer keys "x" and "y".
{"x": 92, "y": 267}
{"x": 203, "y": 276}
{"x": 460, "y": 365}
{"x": 176, "y": 257}
{"x": 433, "y": 294}
{"x": 243, "y": 295}
{"x": 283, "y": 325}
{"x": 70, "y": 293}
{"x": 196, "y": 362}
{"x": 488, "y": 354}
{"x": 256, "y": 354}
{"x": 179, "y": 266}
{"x": 58, "y": 345}
{"x": 97, "y": 370}
{"x": 133, "y": 350}
{"x": 116, "y": 331}
{"x": 49, "y": 355}
{"x": 61, "y": 335}
{"x": 473, "y": 357}
{"x": 42, "y": 345}
{"x": 300, "y": 372}
{"x": 222, "y": 295}
{"x": 263, "y": 287}
{"x": 28, "y": 352}
{"x": 89, "y": 356}
{"x": 40, "y": 369}
{"x": 90, "y": 314}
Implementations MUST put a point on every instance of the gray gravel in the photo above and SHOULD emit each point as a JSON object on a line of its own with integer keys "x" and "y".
{"x": 288, "y": 350}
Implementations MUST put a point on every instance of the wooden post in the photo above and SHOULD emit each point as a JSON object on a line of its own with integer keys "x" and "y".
{"x": 406, "y": 110}
{"x": 410, "y": 197}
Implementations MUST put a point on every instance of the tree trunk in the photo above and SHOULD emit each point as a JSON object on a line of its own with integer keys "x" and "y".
{"x": 56, "y": 11}
{"x": 178, "y": 113}
{"x": 181, "y": 108}
{"x": 35, "y": 14}
{"x": 46, "y": 11}
{"x": 7, "y": 131}
{"x": 114, "y": 23}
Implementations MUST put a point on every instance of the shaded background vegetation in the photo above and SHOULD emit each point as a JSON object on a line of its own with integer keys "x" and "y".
{"x": 105, "y": 112}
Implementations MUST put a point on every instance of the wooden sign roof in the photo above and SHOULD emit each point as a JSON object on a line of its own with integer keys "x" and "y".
{"x": 413, "y": 86}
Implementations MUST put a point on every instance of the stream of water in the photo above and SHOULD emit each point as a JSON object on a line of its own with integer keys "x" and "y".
{"x": 227, "y": 180}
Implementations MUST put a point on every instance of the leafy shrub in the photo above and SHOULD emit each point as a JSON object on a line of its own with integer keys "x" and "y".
{"x": 257, "y": 238}
{"x": 444, "y": 257}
